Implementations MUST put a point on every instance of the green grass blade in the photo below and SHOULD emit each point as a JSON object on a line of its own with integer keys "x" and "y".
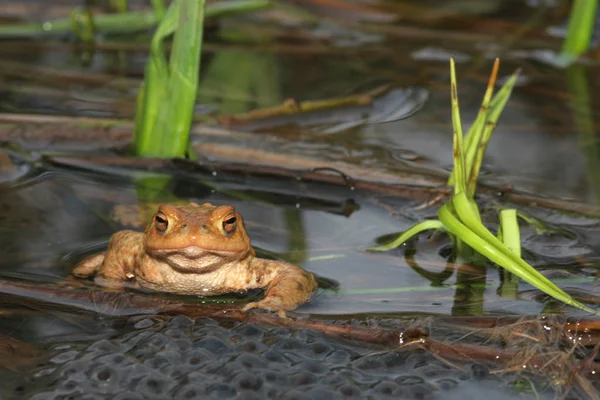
{"x": 159, "y": 8}
{"x": 581, "y": 27}
{"x": 511, "y": 235}
{"x": 457, "y": 142}
{"x": 151, "y": 95}
{"x": 462, "y": 206}
{"x": 409, "y": 233}
{"x": 475, "y": 133}
{"x": 456, "y": 227}
{"x": 509, "y": 285}
{"x": 469, "y": 229}
{"x": 175, "y": 118}
{"x": 170, "y": 89}
{"x": 475, "y": 137}
{"x": 496, "y": 107}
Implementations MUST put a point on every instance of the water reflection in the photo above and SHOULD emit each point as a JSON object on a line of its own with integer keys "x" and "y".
{"x": 63, "y": 212}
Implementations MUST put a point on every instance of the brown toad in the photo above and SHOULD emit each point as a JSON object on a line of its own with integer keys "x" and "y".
{"x": 198, "y": 250}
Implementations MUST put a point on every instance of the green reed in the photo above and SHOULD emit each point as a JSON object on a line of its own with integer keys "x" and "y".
{"x": 460, "y": 217}
{"x": 581, "y": 27}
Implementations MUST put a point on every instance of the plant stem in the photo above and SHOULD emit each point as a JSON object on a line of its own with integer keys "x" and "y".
{"x": 291, "y": 106}
{"x": 159, "y": 8}
{"x": 510, "y": 235}
{"x": 581, "y": 26}
{"x": 175, "y": 119}
{"x": 126, "y": 22}
{"x": 457, "y": 142}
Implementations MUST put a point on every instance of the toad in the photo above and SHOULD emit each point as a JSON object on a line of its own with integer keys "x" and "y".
{"x": 197, "y": 250}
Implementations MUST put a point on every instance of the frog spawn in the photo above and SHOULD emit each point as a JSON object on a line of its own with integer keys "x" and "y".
{"x": 187, "y": 359}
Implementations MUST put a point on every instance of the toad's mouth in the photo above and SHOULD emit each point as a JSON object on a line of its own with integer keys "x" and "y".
{"x": 199, "y": 252}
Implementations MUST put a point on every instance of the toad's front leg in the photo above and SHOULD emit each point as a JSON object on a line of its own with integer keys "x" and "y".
{"x": 88, "y": 266}
{"x": 117, "y": 264}
{"x": 287, "y": 286}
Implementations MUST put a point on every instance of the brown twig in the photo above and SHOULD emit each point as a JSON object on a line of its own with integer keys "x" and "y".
{"x": 96, "y": 300}
{"x": 291, "y": 106}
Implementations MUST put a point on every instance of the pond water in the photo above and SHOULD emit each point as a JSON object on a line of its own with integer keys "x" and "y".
{"x": 64, "y": 116}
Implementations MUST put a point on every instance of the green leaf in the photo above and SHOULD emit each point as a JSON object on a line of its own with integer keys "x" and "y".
{"x": 509, "y": 285}
{"x": 407, "y": 234}
{"x": 151, "y": 95}
{"x": 159, "y": 8}
{"x": 475, "y": 134}
{"x": 581, "y": 28}
{"x": 468, "y": 228}
{"x": 175, "y": 118}
{"x": 457, "y": 142}
{"x": 495, "y": 110}
{"x": 511, "y": 235}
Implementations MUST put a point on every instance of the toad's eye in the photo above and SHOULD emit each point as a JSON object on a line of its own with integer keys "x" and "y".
{"x": 161, "y": 223}
{"x": 229, "y": 224}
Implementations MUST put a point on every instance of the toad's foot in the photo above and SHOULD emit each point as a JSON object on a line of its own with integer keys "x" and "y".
{"x": 291, "y": 288}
